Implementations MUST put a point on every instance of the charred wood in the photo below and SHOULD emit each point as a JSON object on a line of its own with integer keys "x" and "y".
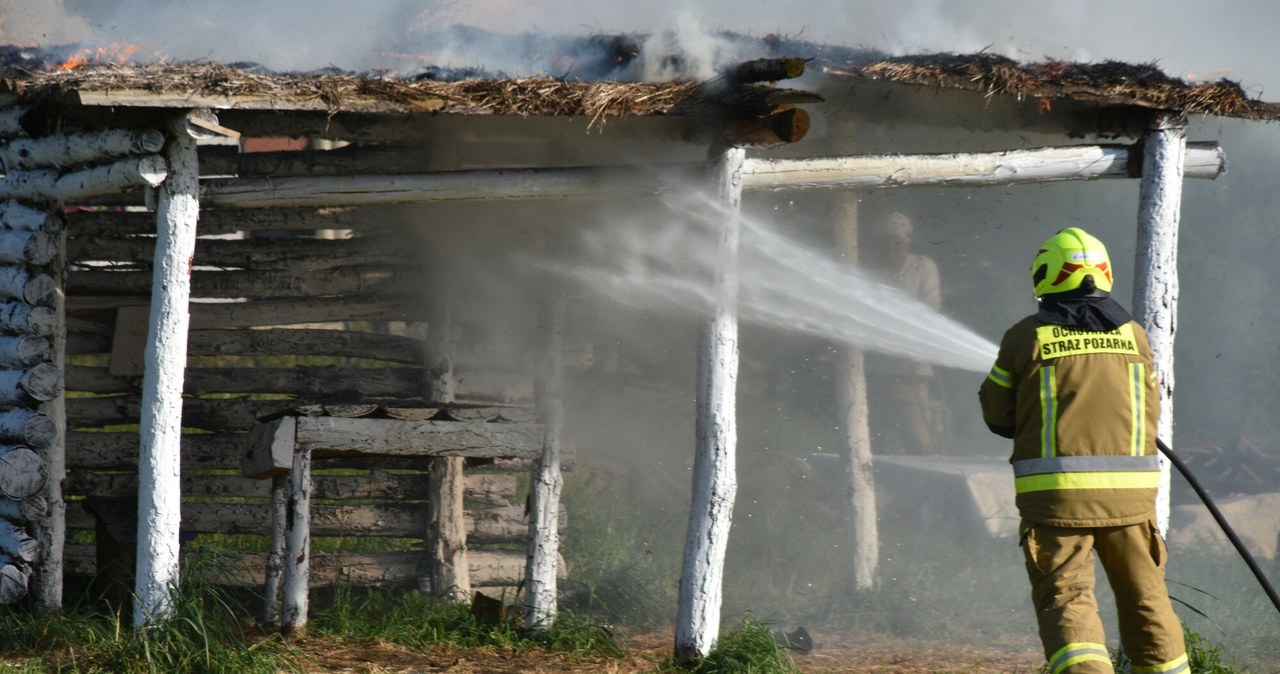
{"x": 768, "y": 70}
{"x": 352, "y": 160}
{"x": 23, "y": 351}
{"x": 291, "y": 254}
{"x": 24, "y": 319}
{"x": 39, "y": 383}
{"x": 214, "y": 221}
{"x": 34, "y": 248}
{"x": 12, "y": 122}
{"x": 60, "y": 151}
{"x": 240, "y": 284}
{"x": 18, "y": 216}
{"x": 22, "y": 472}
{"x": 272, "y": 312}
{"x": 331, "y": 380}
{"x": 51, "y": 185}
{"x": 23, "y": 284}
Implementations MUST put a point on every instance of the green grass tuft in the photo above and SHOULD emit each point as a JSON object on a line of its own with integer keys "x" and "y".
{"x": 749, "y": 649}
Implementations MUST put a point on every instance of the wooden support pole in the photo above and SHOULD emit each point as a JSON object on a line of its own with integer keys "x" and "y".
{"x": 447, "y": 572}
{"x": 297, "y": 546}
{"x": 1050, "y": 164}
{"x": 546, "y": 481}
{"x": 862, "y": 536}
{"x": 160, "y": 431}
{"x": 1204, "y": 160}
{"x": 276, "y": 553}
{"x": 52, "y": 185}
{"x": 63, "y": 150}
{"x": 714, "y": 480}
{"x": 1155, "y": 287}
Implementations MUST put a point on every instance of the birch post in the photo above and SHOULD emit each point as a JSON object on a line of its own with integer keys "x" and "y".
{"x": 714, "y": 480}
{"x": 297, "y": 546}
{"x": 275, "y": 554}
{"x": 862, "y": 534}
{"x": 160, "y": 430}
{"x": 547, "y": 481}
{"x": 448, "y": 573}
{"x": 1155, "y": 287}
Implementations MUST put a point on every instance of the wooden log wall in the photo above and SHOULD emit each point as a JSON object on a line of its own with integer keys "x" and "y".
{"x": 291, "y": 307}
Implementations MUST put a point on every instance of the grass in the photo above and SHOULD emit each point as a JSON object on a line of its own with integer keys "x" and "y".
{"x": 420, "y": 622}
{"x": 748, "y": 649}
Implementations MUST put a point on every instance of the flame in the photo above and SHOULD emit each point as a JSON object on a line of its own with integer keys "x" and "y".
{"x": 116, "y": 53}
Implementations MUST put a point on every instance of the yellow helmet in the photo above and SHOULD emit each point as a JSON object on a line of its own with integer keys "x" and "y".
{"x": 1066, "y": 259}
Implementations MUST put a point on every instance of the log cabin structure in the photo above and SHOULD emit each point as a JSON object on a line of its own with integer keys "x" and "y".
{"x": 209, "y": 300}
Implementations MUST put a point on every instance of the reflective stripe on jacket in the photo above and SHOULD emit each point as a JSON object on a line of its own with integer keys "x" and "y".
{"x": 1081, "y": 407}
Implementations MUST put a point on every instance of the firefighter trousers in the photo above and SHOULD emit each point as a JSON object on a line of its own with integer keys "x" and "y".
{"x": 1060, "y": 566}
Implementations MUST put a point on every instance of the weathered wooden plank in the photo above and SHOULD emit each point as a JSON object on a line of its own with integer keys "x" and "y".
{"x": 305, "y": 342}
{"x": 139, "y": 221}
{"x": 246, "y": 284}
{"x": 259, "y": 254}
{"x": 350, "y": 160}
{"x": 488, "y": 489}
{"x": 330, "y": 436}
{"x": 491, "y": 526}
{"x": 489, "y": 568}
{"x": 352, "y": 382}
{"x": 236, "y": 414}
{"x": 119, "y": 450}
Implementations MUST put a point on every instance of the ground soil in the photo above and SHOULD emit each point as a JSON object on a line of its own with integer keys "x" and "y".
{"x": 647, "y": 653}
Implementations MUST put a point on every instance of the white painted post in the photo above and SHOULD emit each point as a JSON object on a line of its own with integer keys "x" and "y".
{"x": 448, "y": 572}
{"x": 160, "y": 432}
{"x": 714, "y": 480}
{"x": 861, "y": 533}
{"x": 1155, "y": 288}
{"x": 276, "y": 553}
{"x": 547, "y": 481}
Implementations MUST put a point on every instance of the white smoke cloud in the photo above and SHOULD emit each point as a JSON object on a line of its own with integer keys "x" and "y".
{"x": 1184, "y": 37}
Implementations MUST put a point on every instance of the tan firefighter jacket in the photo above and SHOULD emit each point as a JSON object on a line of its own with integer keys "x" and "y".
{"x": 1081, "y": 408}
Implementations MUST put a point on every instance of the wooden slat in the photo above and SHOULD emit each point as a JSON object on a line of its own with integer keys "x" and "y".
{"x": 333, "y": 380}
{"x": 492, "y": 489}
{"x": 246, "y": 284}
{"x": 491, "y": 526}
{"x": 282, "y": 342}
{"x": 121, "y": 223}
{"x": 329, "y": 436}
{"x": 489, "y": 568}
{"x": 260, "y": 254}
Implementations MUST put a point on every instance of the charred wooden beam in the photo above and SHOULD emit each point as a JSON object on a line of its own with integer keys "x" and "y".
{"x": 768, "y": 69}
{"x": 25, "y": 285}
{"x": 33, "y": 248}
{"x": 125, "y": 223}
{"x": 51, "y": 185}
{"x": 779, "y": 128}
{"x": 23, "y": 351}
{"x": 73, "y": 149}
{"x": 19, "y": 216}
{"x": 227, "y": 315}
{"x": 259, "y": 254}
{"x": 356, "y": 383}
{"x": 22, "y": 472}
{"x": 21, "y": 387}
{"x": 490, "y": 489}
{"x": 241, "y": 284}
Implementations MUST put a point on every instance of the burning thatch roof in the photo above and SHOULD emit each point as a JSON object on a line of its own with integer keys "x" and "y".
{"x": 250, "y": 87}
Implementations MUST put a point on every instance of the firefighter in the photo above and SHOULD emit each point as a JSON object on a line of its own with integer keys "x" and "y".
{"x": 1075, "y": 389}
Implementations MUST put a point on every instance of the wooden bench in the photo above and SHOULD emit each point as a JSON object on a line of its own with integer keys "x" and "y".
{"x": 284, "y": 447}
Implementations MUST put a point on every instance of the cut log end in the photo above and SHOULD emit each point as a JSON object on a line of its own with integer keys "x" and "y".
{"x": 22, "y": 473}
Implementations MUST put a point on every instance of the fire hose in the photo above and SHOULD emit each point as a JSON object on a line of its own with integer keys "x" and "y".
{"x": 1222, "y": 523}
